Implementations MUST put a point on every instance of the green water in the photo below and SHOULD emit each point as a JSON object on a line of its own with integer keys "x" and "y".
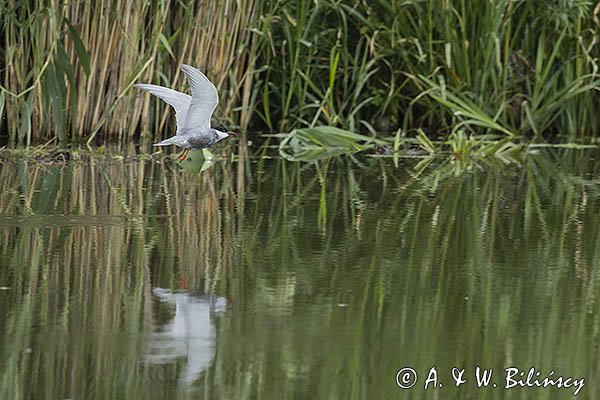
{"x": 125, "y": 278}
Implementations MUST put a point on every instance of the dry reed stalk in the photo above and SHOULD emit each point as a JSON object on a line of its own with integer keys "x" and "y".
{"x": 122, "y": 42}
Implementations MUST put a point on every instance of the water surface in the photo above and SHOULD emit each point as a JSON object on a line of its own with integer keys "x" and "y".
{"x": 130, "y": 278}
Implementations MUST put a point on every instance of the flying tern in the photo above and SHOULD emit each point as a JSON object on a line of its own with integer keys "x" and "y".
{"x": 192, "y": 113}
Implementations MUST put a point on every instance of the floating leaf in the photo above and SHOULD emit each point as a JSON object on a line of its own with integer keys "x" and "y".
{"x": 323, "y": 142}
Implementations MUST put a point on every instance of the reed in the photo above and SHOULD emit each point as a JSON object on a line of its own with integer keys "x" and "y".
{"x": 525, "y": 69}
{"x": 68, "y": 68}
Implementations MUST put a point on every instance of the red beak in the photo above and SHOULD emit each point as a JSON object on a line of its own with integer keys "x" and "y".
{"x": 234, "y": 134}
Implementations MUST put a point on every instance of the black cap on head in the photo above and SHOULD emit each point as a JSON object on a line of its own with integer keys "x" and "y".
{"x": 220, "y": 128}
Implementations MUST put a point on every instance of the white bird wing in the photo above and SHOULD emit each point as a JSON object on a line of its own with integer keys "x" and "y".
{"x": 179, "y": 101}
{"x": 204, "y": 99}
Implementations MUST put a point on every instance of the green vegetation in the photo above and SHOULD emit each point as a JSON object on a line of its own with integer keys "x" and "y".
{"x": 517, "y": 69}
{"x": 309, "y": 144}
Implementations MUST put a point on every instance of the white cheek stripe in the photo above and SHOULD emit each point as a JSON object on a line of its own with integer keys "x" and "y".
{"x": 221, "y": 135}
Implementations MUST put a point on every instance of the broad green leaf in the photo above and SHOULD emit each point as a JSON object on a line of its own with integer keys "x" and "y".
{"x": 323, "y": 142}
{"x": 82, "y": 54}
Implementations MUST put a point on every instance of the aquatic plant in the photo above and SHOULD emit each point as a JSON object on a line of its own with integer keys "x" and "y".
{"x": 309, "y": 144}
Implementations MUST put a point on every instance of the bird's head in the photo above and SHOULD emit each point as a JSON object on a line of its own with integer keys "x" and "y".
{"x": 224, "y": 132}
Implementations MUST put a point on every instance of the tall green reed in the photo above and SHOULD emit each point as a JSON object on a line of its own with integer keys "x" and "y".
{"x": 528, "y": 67}
{"x": 314, "y": 67}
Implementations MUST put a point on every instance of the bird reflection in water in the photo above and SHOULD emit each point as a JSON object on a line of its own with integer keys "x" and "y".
{"x": 190, "y": 333}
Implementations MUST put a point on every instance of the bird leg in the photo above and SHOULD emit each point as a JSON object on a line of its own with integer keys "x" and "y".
{"x": 183, "y": 155}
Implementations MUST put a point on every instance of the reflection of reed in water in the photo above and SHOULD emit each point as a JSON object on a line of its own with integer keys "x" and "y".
{"x": 189, "y": 334}
{"x": 430, "y": 270}
{"x": 81, "y": 246}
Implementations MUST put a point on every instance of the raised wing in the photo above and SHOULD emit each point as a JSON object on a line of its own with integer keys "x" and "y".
{"x": 179, "y": 101}
{"x": 204, "y": 99}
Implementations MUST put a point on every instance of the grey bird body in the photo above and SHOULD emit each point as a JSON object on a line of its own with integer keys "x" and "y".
{"x": 195, "y": 140}
{"x": 192, "y": 113}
